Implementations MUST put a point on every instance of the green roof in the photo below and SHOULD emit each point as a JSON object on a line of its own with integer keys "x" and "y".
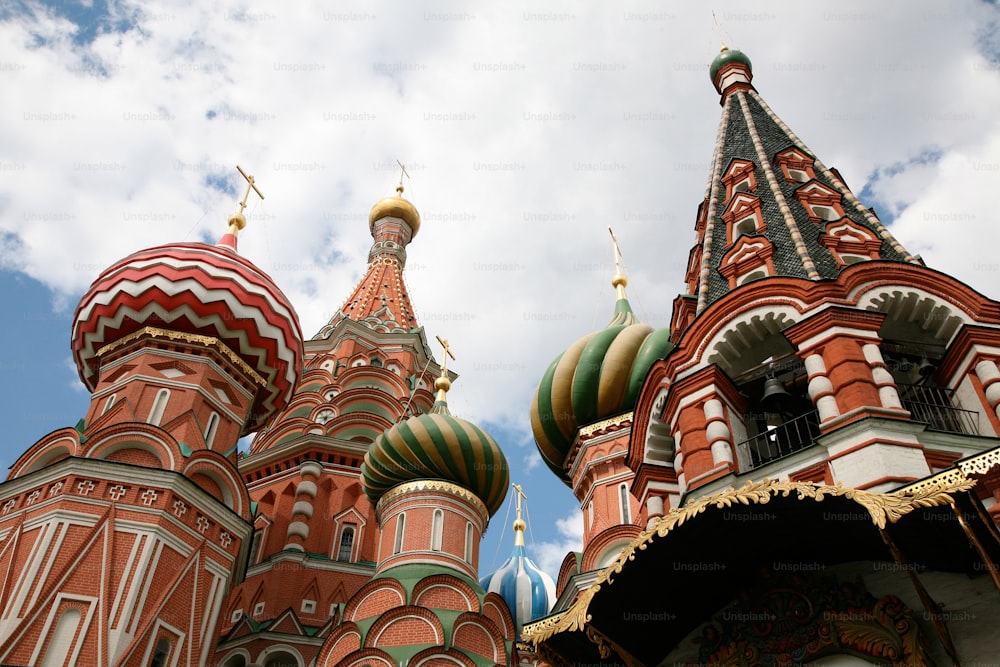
{"x": 726, "y": 57}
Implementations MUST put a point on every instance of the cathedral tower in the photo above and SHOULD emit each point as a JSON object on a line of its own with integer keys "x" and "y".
{"x": 120, "y": 538}
{"x": 435, "y": 480}
{"x": 316, "y": 536}
{"x": 819, "y": 348}
{"x": 822, "y": 438}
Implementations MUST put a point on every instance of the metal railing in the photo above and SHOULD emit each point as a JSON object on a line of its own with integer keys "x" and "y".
{"x": 777, "y": 441}
{"x": 936, "y": 407}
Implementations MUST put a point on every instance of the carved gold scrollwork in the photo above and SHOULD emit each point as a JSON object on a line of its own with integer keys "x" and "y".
{"x": 883, "y": 508}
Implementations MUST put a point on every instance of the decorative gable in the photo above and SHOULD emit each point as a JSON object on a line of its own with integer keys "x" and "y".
{"x": 821, "y": 202}
{"x": 743, "y": 216}
{"x": 287, "y": 623}
{"x": 850, "y": 243}
{"x": 739, "y": 177}
{"x": 693, "y": 268}
{"x": 749, "y": 259}
{"x": 796, "y": 165}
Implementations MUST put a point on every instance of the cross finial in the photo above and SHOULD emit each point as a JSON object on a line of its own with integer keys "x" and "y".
{"x": 619, "y": 281}
{"x": 443, "y": 384}
{"x": 250, "y": 185}
{"x": 519, "y": 524}
{"x": 402, "y": 173}
{"x": 718, "y": 31}
{"x": 237, "y": 221}
{"x": 447, "y": 353}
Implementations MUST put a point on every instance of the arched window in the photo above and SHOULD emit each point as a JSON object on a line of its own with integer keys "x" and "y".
{"x": 468, "y": 542}
{"x": 346, "y": 547}
{"x": 159, "y": 407}
{"x": 282, "y": 659}
{"x": 437, "y": 528}
{"x": 161, "y": 653}
{"x": 750, "y": 277}
{"x": 108, "y": 404}
{"x": 376, "y": 362}
{"x": 590, "y": 515}
{"x": 213, "y": 426}
{"x": 397, "y": 546}
{"x": 623, "y": 501}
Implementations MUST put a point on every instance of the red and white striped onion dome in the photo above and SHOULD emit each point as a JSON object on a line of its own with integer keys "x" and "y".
{"x": 201, "y": 289}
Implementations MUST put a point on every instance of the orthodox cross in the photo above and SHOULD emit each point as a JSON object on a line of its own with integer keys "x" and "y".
{"x": 520, "y": 496}
{"x": 250, "y": 184}
{"x": 718, "y": 31}
{"x": 447, "y": 353}
{"x": 402, "y": 172}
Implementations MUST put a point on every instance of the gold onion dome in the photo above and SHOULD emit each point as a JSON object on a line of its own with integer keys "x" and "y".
{"x": 437, "y": 446}
{"x": 395, "y": 207}
{"x": 599, "y": 376}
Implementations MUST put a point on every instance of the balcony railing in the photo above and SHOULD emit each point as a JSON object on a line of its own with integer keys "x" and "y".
{"x": 792, "y": 436}
{"x": 936, "y": 407}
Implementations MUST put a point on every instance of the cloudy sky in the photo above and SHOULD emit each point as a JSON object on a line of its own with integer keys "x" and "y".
{"x": 526, "y": 129}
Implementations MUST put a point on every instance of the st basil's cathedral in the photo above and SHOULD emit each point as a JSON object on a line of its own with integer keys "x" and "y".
{"x": 802, "y": 468}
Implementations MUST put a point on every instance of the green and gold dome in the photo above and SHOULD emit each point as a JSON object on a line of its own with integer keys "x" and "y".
{"x": 599, "y": 376}
{"x": 437, "y": 446}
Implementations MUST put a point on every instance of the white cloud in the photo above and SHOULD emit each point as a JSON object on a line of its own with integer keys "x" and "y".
{"x": 549, "y": 553}
{"x": 527, "y": 132}
{"x": 531, "y": 461}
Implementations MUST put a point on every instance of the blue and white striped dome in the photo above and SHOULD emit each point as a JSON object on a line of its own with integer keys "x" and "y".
{"x": 528, "y": 592}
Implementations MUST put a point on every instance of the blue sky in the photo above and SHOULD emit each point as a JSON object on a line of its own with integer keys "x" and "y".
{"x": 526, "y": 132}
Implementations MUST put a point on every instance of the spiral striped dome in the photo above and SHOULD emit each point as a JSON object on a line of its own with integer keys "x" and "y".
{"x": 195, "y": 288}
{"x": 437, "y": 445}
{"x": 528, "y": 591}
{"x": 599, "y": 376}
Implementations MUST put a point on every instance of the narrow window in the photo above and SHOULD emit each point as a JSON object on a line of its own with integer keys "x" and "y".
{"x": 590, "y": 515}
{"x": 258, "y": 537}
{"x": 346, "y": 543}
{"x": 213, "y": 426}
{"x": 376, "y": 362}
{"x": 623, "y": 499}
{"x": 397, "y": 547}
{"x": 437, "y": 528}
{"x": 108, "y": 404}
{"x": 468, "y": 542}
{"x": 159, "y": 407}
{"x": 62, "y": 639}
{"x": 161, "y": 653}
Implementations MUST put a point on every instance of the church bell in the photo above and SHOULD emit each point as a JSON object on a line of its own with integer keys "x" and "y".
{"x": 775, "y": 395}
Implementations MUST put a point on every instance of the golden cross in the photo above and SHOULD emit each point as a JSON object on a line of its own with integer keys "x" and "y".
{"x": 250, "y": 184}
{"x": 447, "y": 353}
{"x": 402, "y": 172}
{"x": 520, "y": 495}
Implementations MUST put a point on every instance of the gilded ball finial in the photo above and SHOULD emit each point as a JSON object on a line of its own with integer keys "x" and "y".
{"x": 237, "y": 220}
{"x": 442, "y": 384}
{"x": 619, "y": 280}
{"x": 520, "y": 526}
